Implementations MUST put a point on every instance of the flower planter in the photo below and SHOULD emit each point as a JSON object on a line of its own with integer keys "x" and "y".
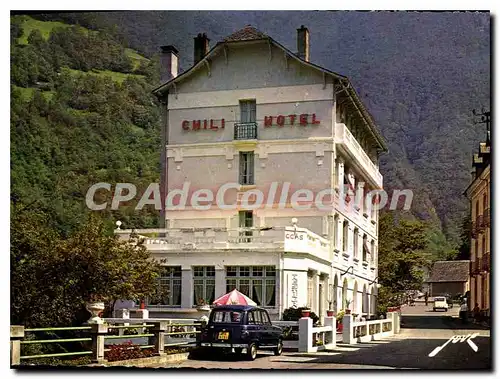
{"x": 306, "y": 312}
{"x": 340, "y": 327}
{"x": 330, "y": 313}
{"x": 95, "y": 308}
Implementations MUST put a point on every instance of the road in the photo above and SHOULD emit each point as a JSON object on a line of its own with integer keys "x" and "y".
{"x": 422, "y": 331}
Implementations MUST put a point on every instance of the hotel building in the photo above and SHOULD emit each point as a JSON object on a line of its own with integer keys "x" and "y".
{"x": 252, "y": 113}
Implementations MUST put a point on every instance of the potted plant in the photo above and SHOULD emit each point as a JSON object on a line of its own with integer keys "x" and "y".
{"x": 203, "y": 305}
{"x": 306, "y": 312}
{"x": 330, "y": 312}
{"x": 347, "y": 309}
{"x": 340, "y": 319}
{"x": 95, "y": 305}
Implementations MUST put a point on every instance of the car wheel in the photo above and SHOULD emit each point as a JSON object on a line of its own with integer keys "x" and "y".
{"x": 278, "y": 349}
{"x": 238, "y": 350}
{"x": 252, "y": 352}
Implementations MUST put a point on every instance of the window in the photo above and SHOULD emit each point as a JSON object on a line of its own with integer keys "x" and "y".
{"x": 477, "y": 208}
{"x": 372, "y": 251}
{"x": 356, "y": 239}
{"x": 248, "y": 111}
{"x": 366, "y": 251}
{"x": 345, "y": 235}
{"x": 246, "y": 221}
{"x": 310, "y": 290}
{"x": 226, "y": 317}
{"x": 204, "y": 284}
{"x": 336, "y": 232}
{"x": 264, "y": 318}
{"x": 246, "y": 167}
{"x": 247, "y": 127}
{"x": 256, "y": 282}
{"x": 168, "y": 291}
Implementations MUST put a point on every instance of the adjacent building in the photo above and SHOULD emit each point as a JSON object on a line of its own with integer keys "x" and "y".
{"x": 250, "y": 117}
{"x": 479, "y": 194}
{"x": 449, "y": 278}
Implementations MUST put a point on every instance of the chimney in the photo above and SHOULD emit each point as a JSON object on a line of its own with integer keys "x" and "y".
{"x": 169, "y": 63}
{"x": 303, "y": 43}
{"x": 200, "y": 47}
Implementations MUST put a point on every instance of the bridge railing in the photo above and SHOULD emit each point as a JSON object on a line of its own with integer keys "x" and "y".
{"x": 151, "y": 335}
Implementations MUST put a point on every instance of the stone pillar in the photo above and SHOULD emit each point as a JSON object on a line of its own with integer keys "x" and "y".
{"x": 187, "y": 288}
{"x": 220, "y": 282}
{"x": 159, "y": 330}
{"x": 125, "y": 314}
{"x": 347, "y": 331}
{"x": 98, "y": 332}
{"x": 305, "y": 335}
{"x": 332, "y": 322}
{"x": 16, "y": 335}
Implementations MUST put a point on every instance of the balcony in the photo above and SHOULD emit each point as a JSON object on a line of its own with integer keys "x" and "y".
{"x": 480, "y": 226}
{"x": 284, "y": 239}
{"x": 474, "y": 267}
{"x": 487, "y": 217}
{"x": 473, "y": 230}
{"x": 245, "y": 131}
{"x": 348, "y": 144}
{"x": 485, "y": 263}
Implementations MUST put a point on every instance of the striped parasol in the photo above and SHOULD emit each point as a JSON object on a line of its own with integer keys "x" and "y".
{"x": 234, "y": 297}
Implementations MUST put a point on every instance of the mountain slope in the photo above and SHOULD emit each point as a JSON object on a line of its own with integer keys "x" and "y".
{"x": 419, "y": 74}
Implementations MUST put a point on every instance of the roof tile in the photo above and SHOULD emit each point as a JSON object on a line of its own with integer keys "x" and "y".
{"x": 450, "y": 271}
{"x": 248, "y": 33}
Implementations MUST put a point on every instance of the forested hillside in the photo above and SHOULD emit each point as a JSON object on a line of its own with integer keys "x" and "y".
{"x": 420, "y": 75}
{"x": 81, "y": 113}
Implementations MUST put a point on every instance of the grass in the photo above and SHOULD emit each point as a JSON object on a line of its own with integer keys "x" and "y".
{"x": 136, "y": 58}
{"x": 29, "y": 24}
{"x": 118, "y": 77}
{"x": 27, "y": 93}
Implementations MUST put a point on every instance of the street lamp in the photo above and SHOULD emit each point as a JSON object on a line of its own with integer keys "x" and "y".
{"x": 373, "y": 281}
{"x": 346, "y": 271}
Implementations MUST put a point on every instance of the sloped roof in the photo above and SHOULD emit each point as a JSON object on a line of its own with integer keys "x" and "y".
{"x": 248, "y": 33}
{"x": 449, "y": 271}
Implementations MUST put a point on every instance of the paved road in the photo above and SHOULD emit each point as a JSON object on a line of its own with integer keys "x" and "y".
{"x": 423, "y": 330}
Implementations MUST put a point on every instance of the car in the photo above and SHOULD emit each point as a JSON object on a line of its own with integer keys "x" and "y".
{"x": 241, "y": 327}
{"x": 440, "y": 302}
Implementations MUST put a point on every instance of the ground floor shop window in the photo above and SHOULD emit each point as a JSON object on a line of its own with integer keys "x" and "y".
{"x": 168, "y": 290}
{"x": 203, "y": 285}
{"x": 256, "y": 282}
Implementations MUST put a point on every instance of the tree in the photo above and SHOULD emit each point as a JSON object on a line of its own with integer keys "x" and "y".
{"x": 52, "y": 278}
{"x": 402, "y": 248}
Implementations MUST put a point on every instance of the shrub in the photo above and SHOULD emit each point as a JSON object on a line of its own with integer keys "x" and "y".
{"x": 127, "y": 351}
{"x": 340, "y": 316}
{"x": 294, "y": 314}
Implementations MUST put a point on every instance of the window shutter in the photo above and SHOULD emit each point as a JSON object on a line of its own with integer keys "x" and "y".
{"x": 252, "y": 111}
{"x": 244, "y": 111}
{"x": 242, "y": 168}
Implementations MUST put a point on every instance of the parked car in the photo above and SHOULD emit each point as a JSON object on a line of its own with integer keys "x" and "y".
{"x": 241, "y": 327}
{"x": 440, "y": 303}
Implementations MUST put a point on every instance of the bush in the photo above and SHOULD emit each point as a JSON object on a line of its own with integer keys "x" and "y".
{"x": 294, "y": 314}
{"x": 127, "y": 351}
{"x": 340, "y": 316}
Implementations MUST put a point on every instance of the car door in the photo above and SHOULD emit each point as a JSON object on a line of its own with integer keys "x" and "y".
{"x": 255, "y": 325}
{"x": 267, "y": 335}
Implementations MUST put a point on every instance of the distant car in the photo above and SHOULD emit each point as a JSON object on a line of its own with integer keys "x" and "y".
{"x": 241, "y": 327}
{"x": 440, "y": 302}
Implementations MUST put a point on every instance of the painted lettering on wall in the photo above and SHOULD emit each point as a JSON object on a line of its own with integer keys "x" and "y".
{"x": 295, "y": 291}
{"x": 291, "y": 119}
{"x": 294, "y": 236}
{"x": 203, "y": 124}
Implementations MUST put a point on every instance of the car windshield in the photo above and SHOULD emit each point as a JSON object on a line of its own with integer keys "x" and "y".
{"x": 439, "y": 299}
{"x": 226, "y": 317}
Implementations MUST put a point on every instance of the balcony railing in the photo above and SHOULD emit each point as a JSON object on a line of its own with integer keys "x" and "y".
{"x": 487, "y": 217}
{"x": 480, "y": 224}
{"x": 473, "y": 230}
{"x": 485, "y": 262}
{"x": 474, "y": 269}
{"x": 245, "y": 130}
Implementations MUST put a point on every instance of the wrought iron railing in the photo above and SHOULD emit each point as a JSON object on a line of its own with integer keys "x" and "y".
{"x": 487, "y": 217}
{"x": 480, "y": 224}
{"x": 245, "y": 130}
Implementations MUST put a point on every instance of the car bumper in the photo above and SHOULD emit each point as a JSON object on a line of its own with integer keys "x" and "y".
{"x": 223, "y": 344}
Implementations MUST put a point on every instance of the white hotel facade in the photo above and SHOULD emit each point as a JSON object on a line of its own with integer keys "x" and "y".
{"x": 253, "y": 113}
